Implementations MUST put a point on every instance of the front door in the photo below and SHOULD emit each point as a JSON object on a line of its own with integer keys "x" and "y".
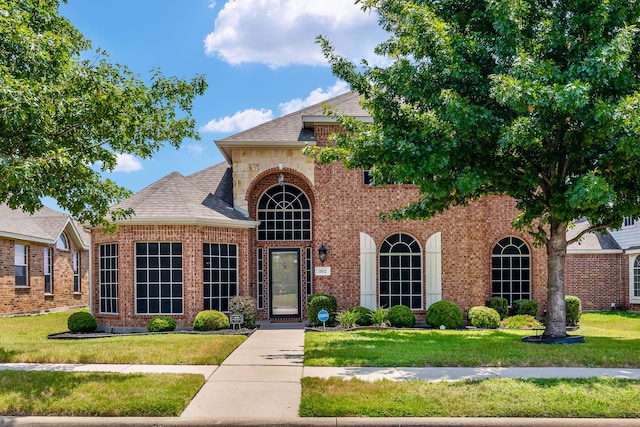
{"x": 284, "y": 282}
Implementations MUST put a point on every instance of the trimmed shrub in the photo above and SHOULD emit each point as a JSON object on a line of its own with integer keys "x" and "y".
{"x": 161, "y": 324}
{"x": 499, "y": 304}
{"x": 210, "y": 320}
{"x": 363, "y": 315}
{"x": 347, "y": 319}
{"x": 82, "y": 321}
{"x": 525, "y": 306}
{"x": 521, "y": 321}
{"x": 483, "y": 317}
{"x": 246, "y": 306}
{"x": 401, "y": 316}
{"x": 319, "y": 302}
{"x": 444, "y": 313}
{"x": 574, "y": 309}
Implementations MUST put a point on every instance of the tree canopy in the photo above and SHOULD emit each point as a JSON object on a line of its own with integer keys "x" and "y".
{"x": 535, "y": 99}
{"x": 64, "y": 116}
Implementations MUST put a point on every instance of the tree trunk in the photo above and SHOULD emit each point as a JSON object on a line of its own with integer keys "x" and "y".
{"x": 556, "y": 252}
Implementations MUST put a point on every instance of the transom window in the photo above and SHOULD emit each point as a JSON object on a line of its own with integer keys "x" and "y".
{"x": 511, "y": 270}
{"x": 401, "y": 272}
{"x": 220, "y": 275}
{"x": 109, "y": 278}
{"x": 62, "y": 242}
{"x": 284, "y": 213}
{"x": 159, "y": 278}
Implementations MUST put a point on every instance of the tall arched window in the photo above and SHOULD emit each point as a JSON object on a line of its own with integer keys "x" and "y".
{"x": 401, "y": 272}
{"x": 511, "y": 270}
{"x": 284, "y": 213}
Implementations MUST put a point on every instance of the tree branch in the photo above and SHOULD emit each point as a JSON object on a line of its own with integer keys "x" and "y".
{"x": 588, "y": 230}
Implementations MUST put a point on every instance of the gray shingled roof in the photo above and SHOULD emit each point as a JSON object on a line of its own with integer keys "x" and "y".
{"x": 290, "y": 127}
{"x": 44, "y": 226}
{"x": 590, "y": 241}
{"x": 201, "y": 198}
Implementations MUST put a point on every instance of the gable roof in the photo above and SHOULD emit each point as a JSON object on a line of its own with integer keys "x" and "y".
{"x": 591, "y": 242}
{"x": 201, "y": 198}
{"x": 43, "y": 226}
{"x": 294, "y": 129}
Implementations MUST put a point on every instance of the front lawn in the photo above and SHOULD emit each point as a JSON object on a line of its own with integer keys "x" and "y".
{"x": 96, "y": 394}
{"x": 612, "y": 339}
{"x": 24, "y": 339}
{"x": 539, "y": 398}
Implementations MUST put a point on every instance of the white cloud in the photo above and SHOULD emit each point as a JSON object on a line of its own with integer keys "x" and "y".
{"x": 127, "y": 163}
{"x": 239, "y": 121}
{"x": 316, "y": 96}
{"x": 283, "y": 32}
{"x": 195, "y": 149}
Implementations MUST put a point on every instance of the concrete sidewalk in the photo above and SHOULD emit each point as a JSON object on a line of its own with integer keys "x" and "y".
{"x": 259, "y": 384}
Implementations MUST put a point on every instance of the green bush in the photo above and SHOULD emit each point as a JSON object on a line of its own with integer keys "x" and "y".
{"x": 574, "y": 309}
{"x": 82, "y": 321}
{"x": 319, "y": 302}
{"x": 210, "y": 320}
{"x": 401, "y": 316}
{"x": 483, "y": 317}
{"x": 525, "y": 306}
{"x": 379, "y": 317}
{"x": 444, "y": 313}
{"x": 246, "y": 306}
{"x": 501, "y": 305}
{"x": 363, "y": 315}
{"x": 347, "y": 319}
{"x": 161, "y": 324}
{"x": 521, "y": 321}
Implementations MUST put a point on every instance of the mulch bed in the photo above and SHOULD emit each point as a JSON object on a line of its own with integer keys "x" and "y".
{"x": 68, "y": 335}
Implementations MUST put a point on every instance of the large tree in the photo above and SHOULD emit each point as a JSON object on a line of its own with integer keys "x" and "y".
{"x": 65, "y": 114}
{"x": 536, "y": 99}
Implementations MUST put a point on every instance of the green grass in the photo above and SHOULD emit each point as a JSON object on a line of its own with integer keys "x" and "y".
{"x": 96, "y": 394}
{"x": 24, "y": 339}
{"x": 541, "y": 398}
{"x": 612, "y": 339}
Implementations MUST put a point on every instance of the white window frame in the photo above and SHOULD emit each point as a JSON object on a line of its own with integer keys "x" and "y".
{"x": 633, "y": 256}
{"x": 77, "y": 286}
{"x": 62, "y": 242}
{"x": 21, "y": 260}
{"x": 387, "y": 267}
{"x": 152, "y": 284}
{"x": 220, "y": 275}
{"x": 47, "y": 268}
{"x": 108, "y": 278}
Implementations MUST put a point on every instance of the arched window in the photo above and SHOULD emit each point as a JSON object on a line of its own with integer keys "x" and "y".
{"x": 401, "y": 272}
{"x": 62, "y": 242}
{"x": 636, "y": 278}
{"x": 284, "y": 213}
{"x": 511, "y": 270}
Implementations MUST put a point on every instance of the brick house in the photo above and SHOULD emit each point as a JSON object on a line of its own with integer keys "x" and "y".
{"x": 253, "y": 225}
{"x": 44, "y": 262}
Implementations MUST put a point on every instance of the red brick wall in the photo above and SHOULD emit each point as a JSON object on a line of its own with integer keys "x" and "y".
{"x": 32, "y": 299}
{"x": 598, "y": 280}
{"x": 343, "y": 207}
{"x": 192, "y": 238}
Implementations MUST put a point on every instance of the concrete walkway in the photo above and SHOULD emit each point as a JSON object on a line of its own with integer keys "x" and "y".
{"x": 259, "y": 384}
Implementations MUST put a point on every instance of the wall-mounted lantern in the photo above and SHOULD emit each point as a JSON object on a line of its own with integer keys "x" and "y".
{"x": 322, "y": 253}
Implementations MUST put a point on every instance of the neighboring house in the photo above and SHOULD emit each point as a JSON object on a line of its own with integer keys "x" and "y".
{"x": 44, "y": 262}
{"x": 253, "y": 225}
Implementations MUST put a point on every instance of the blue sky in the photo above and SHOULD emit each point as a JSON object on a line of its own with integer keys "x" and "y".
{"x": 258, "y": 56}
